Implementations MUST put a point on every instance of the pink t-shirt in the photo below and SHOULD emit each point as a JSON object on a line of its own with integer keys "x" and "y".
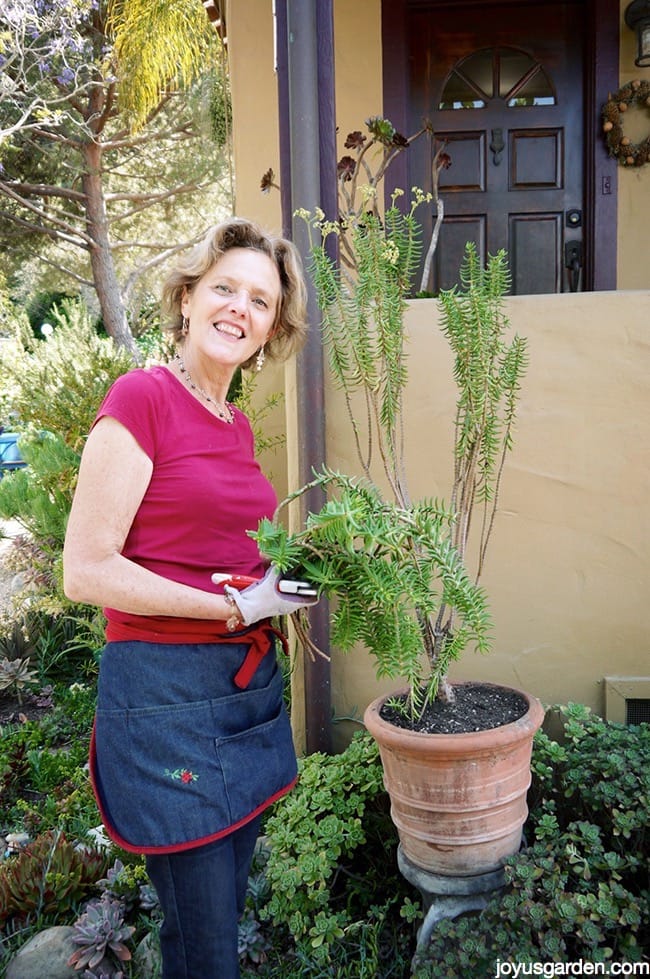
{"x": 206, "y": 491}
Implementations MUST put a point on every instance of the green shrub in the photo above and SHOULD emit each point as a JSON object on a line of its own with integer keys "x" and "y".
{"x": 13, "y": 320}
{"x": 51, "y": 390}
{"x": 60, "y": 648}
{"x": 43, "y": 778}
{"x": 70, "y": 807}
{"x": 599, "y": 773}
{"x": 332, "y": 870}
{"x": 55, "y": 385}
{"x": 49, "y": 769}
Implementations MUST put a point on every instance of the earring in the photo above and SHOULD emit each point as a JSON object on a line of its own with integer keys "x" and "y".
{"x": 259, "y": 363}
{"x": 185, "y": 326}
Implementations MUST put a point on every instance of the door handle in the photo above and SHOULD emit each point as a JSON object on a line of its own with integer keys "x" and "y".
{"x": 573, "y": 262}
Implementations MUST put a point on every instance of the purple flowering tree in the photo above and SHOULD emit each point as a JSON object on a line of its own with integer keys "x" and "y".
{"x": 35, "y": 33}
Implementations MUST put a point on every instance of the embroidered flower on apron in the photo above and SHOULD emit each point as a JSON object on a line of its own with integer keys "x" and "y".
{"x": 183, "y": 774}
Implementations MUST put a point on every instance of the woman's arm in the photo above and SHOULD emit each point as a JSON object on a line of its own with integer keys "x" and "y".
{"x": 113, "y": 478}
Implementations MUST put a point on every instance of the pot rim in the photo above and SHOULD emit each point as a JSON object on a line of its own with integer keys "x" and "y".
{"x": 519, "y": 729}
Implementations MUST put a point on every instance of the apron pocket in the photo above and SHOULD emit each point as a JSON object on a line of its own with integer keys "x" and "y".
{"x": 257, "y": 764}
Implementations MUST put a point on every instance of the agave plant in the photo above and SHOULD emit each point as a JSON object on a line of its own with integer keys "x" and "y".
{"x": 16, "y": 675}
{"x": 101, "y": 933}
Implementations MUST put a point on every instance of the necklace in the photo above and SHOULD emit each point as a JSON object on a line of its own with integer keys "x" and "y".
{"x": 223, "y": 410}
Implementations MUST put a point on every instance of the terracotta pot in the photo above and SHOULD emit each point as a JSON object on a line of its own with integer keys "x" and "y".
{"x": 458, "y": 801}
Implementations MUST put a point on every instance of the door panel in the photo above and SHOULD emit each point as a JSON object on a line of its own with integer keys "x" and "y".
{"x": 512, "y": 122}
{"x": 536, "y": 159}
{"x": 454, "y": 233}
{"x": 531, "y": 236}
{"x": 468, "y": 151}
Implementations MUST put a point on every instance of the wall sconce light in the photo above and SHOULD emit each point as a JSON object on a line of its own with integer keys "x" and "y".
{"x": 637, "y": 18}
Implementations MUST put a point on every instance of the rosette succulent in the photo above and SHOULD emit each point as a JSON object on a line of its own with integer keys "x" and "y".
{"x": 101, "y": 934}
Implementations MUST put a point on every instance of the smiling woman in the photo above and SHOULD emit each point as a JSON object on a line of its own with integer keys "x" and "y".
{"x": 289, "y": 326}
{"x": 190, "y": 716}
{"x": 228, "y": 317}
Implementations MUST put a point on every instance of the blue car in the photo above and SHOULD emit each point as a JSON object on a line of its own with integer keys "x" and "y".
{"x": 10, "y": 457}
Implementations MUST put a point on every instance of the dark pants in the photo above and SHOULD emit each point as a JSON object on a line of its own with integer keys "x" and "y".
{"x": 202, "y": 893}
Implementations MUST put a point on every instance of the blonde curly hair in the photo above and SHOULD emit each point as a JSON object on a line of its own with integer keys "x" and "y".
{"x": 290, "y": 327}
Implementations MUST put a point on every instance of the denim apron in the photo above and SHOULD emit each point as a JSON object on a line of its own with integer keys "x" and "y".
{"x": 190, "y": 741}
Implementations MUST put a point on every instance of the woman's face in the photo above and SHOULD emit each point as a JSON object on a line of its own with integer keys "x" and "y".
{"x": 233, "y": 307}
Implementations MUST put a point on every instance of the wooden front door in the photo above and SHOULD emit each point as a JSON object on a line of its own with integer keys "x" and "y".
{"x": 503, "y": 87}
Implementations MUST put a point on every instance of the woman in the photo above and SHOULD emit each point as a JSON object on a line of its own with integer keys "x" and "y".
{"x": 191, "y": 739}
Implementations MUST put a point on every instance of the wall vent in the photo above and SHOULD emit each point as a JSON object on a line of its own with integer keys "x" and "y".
{"x": 627, "y": 699}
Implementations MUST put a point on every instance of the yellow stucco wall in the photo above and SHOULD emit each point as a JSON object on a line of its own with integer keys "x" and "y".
{"x": 568, "y": 573}
{"x": 254, "y": 107}
{"x": 357, "y": 30}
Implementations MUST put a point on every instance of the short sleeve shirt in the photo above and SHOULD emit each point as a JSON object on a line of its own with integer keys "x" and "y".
{"x": 206, "y": 493}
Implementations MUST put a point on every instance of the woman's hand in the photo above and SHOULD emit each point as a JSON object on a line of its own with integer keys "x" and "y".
{"x": 263, "y": 600}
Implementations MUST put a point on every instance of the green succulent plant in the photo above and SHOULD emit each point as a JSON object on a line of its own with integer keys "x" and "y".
{"x": 101, "y": 934}
{"x": 381, "y": 560}
{"x": 131, "y": 885}
{"x": 16, "y": 676}
{"x": 251, "y": 943}
{"x": 48, "y": 878}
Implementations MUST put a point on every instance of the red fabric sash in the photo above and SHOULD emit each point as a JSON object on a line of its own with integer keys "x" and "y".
{"x": 260, "y": 636}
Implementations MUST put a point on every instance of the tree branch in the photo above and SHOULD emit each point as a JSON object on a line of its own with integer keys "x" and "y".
{"x": 66, "y": 271}
{"x": 40, "y": 190}
{"x": 60, "y": 228}
{"x": 82, "y": 242}
{"x": 59, "y": 138}
{"x": 156, "y": 260}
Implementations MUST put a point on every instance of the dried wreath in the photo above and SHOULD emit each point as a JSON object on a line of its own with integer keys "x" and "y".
{"x": 620, "y": 146}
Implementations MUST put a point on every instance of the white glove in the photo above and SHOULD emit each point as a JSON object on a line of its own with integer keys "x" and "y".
{"x": 263, "y": 600}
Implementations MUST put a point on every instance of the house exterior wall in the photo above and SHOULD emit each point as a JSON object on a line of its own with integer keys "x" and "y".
{"x": 569, "y": 566}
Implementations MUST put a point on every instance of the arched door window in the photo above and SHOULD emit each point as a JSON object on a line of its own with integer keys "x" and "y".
{"x": 509, "y": 74}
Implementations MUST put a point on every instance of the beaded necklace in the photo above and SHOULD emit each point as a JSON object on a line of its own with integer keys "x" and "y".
{"x": 224, "y": 410}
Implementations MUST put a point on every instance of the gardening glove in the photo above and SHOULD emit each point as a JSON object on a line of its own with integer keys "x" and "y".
{"x": 263, "y": 600}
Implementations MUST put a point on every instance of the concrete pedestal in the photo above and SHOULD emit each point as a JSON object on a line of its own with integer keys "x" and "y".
{"x": 447, "y": 897}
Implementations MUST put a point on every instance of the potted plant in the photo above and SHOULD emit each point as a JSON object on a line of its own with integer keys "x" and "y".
{"x": 398, "y": 569}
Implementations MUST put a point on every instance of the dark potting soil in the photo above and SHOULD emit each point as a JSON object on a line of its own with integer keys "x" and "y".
{"x": 478, "y": 707}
